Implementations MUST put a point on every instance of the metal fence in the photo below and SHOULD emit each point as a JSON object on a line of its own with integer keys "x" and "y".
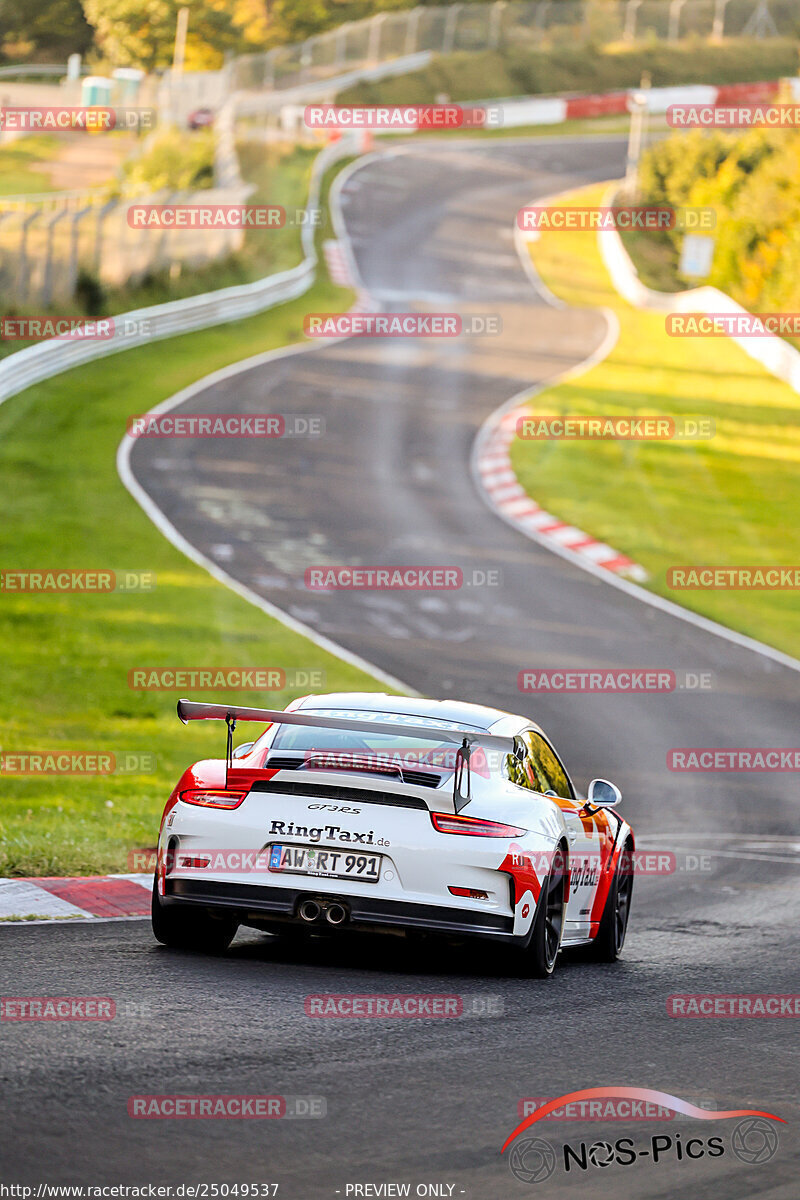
{"x": 46, "y": 241}
{"x": 42, "y": 361}
{"x": 444, "y": 29}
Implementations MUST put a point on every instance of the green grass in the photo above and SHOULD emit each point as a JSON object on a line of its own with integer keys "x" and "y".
{"x": 656, "y": 260}
{"x": 722, "y": 501}
{"x": 16, "y": 918}
{"x": 66, "y": 656}
{"x": 16, "y": 160}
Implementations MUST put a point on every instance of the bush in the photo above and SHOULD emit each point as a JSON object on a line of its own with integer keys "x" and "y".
{"x": 90, "y": 294}
{"x": 753, "y": 183}
{"x": 178, "y": 159}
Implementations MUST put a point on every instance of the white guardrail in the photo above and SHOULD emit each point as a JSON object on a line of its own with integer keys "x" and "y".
{"x": 26, "y": 367}
{"x": 775, "y": 354}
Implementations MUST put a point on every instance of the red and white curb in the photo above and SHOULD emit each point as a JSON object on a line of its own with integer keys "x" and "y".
{"x": 337, "y": 263}
{"x": 339, "y": 269}
{"x": 496, "y": 479}
{"x": 554, "y": 110}
{"x": 76, "y": 898}
{"x": 505, "y": 494}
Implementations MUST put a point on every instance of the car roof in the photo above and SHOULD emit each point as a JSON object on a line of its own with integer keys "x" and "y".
{"x": 456, "y": 712}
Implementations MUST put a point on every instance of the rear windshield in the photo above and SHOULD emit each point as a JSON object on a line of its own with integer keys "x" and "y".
{"x": 389, "y": 747}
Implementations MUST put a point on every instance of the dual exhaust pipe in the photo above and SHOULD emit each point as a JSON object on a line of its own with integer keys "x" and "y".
{"x": 311, "y": 911}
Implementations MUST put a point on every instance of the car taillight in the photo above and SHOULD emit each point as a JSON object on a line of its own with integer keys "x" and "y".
{"x": 472, "y": 893}
{"x": 193, "y": 861}
{"x": 473, "y": 826}
{"x": 213, "y": 799}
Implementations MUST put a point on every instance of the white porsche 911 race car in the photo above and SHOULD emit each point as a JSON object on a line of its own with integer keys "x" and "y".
{"x": 382, "y": 812}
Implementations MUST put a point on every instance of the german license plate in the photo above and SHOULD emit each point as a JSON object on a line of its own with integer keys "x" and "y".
{"x": 330, "y": 864}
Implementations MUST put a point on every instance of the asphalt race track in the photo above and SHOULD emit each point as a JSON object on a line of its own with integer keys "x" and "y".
{"x": 431, "y": 1101}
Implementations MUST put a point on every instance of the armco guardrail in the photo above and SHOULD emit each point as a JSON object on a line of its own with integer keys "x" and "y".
{"x": 776, "y": 355}
{"x": 38, "y": 71}
{"x": 26, "y": 367}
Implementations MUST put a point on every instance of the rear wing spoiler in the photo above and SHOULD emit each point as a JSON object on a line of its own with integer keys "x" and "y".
{"x": 465, "y": 739}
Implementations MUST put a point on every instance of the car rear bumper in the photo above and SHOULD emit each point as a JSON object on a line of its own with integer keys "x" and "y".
{"x": 261, "y": 902}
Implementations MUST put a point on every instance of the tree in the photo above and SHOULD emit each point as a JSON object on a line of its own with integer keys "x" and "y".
{"x": 295, "y": 20}
{"x": 141, "y": 33}
{"x": 47, "y": 30}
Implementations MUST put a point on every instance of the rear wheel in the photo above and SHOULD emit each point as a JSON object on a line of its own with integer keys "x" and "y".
{"x": 607, "y": 946}
{"x": 542, "y": 950}
{"x": 183, "y": 928}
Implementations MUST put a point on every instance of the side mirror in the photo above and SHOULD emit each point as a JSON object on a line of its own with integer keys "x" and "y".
{"x": 245, "y": 748}
{"x": 603, "y": 794}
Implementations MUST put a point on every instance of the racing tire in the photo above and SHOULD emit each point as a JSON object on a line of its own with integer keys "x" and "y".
{"x": 182, "y": 928}
{"x": 539, "y": 956}
{"x": 607, "y": 946}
